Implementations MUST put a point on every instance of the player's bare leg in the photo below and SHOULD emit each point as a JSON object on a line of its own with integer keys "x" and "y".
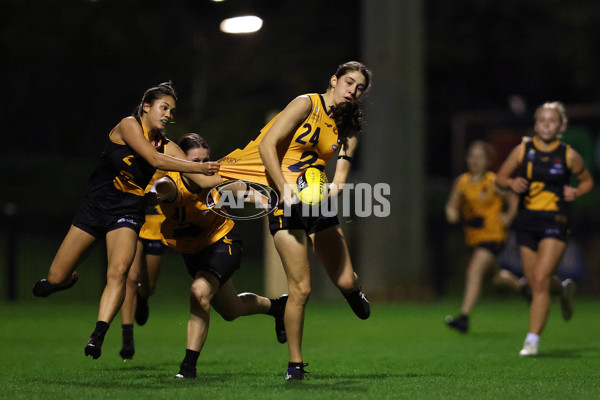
{"x": 129, "y": 304}
{"x": 538, "y": 267}
{"x": 505, "y": 278}
{"x": 539, "y": 276}
{"x": 231, "y": 305}
{"x": 292, "y": 248}
{"x": 121, "y": 247}
{"x": 61, "y": 274}
{"x": 203, "y": 289}
{"x": 147, "y": 278}
{"x": 481, "y": 261}
{"x": 330, "y": 248}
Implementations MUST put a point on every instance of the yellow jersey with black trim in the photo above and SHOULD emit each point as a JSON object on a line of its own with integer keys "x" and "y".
{"x": 543, "y": 203}
{"x": 480, "y": 209}
{"x": 117, "y": 185}
{"x": 313, "y": 143}
{"x": 154, "y": 218}
{"x": 190, "y": 225}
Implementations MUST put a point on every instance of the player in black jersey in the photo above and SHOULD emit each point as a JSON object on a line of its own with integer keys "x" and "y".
{"x": 113, "y": 206}
{"x": 542, "y": 169}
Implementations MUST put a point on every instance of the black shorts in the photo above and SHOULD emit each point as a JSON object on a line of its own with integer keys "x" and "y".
{"x": 221, "y": 258}
{"x": 153, "y": 247}
{"x": 306, "y": 218}
{"x": 98, "y": 224}
{"x": 531, "y": 238}
{"x": 494, "y": 247}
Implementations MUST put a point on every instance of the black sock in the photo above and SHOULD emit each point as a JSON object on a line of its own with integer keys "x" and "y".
{"x": 127, "y": 330}
{"x": 101, "y": 329}
{"x": 296, "y": 365}
{"x": 347, "y": 293}
{"x": 191, "y": 357}
{"x": 272, "y": 308}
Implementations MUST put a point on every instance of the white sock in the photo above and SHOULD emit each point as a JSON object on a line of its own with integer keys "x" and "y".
{"x": 532, "y": 338}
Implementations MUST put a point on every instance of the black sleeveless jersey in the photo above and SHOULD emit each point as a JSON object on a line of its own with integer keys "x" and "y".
{"x": 543, "y": 204}
{"x": 117, "y": 185}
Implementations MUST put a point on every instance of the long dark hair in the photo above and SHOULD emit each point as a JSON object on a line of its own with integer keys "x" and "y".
{"x": 348, "y": 116}
{"x": 154, "y": 93}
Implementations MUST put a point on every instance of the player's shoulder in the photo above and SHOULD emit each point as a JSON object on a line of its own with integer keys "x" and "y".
{"x": 526, "y": 142}
{"x": 298, "y": 108}
{"x": 303, "y": 100}
{"x": 518, "y": 152}
{"x": 461, "y": 181}
{"x": 127, "y": 124}
{"x": 490, "y": 176}
{"x": 128, "y": 121}
{"x": 464, "y": 177}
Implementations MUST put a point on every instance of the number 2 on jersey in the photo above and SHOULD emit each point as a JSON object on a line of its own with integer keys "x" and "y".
{"x": 307, "y": 159}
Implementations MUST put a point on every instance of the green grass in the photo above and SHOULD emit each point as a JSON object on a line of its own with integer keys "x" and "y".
{"x": 403, "y": 351}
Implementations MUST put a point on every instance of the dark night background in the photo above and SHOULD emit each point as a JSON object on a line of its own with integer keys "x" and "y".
{"x": 72, "y": 69}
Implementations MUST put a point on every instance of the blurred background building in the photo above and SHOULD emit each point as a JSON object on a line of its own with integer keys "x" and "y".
{"x": 445, "y": 73}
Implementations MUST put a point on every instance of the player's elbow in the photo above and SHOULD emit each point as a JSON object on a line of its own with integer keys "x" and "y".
{"x": 452, "y": 215}
{"x": 265, "y": 147}
{"x": 500, "y": 183}
{"x": 156, "y": 160}
{"x": 261, "y": 148}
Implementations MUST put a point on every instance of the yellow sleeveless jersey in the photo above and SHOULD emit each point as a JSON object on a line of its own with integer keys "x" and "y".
{"x": 313, "y": 143}
{"x": 189, "y": 224}
{"x": 481, "y": 207}
{"x": 151, "y": 228}
{"x": 154, "y": 218}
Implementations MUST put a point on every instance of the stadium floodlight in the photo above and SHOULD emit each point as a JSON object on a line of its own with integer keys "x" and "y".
{"x": 245, "y": 24}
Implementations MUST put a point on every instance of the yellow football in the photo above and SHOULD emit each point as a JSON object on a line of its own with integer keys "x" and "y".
{"x": 310, "y": 185}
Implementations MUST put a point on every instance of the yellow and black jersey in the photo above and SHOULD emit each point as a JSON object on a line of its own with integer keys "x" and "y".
{"x": 151, "y": 228}
{"x": 154, "y": 218}
{"x": 543, "y": 204}
{"x": 480, "y": 209}
{"x": 190, "y": 225}
{"x": 313, "y": 143}
{"x": 117, "y": 185}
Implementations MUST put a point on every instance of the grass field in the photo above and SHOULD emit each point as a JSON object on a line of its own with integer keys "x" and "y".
{"x": 402, "y": 351}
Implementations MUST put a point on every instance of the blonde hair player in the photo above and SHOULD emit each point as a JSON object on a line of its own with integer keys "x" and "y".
{"x": 539, "y": 171}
